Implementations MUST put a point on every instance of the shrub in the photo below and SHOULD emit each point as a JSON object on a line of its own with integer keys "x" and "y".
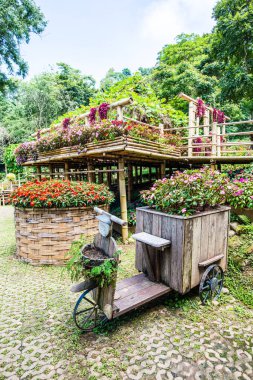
{"x": 60, "y": 194}
{"x": 239, "y": 192}
{"x": 188, "y": 192}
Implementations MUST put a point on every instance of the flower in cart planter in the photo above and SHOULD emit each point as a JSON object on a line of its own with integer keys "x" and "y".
{"x": 60, "y": 194}
{"x": 188, "y": 192}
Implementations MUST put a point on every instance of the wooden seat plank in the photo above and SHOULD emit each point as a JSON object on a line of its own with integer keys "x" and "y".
{"x": 140, "y": 297}
{"x": 152, "y": 240}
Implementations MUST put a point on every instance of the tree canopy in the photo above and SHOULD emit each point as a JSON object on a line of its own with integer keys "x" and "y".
{"x": 18, "y": 19}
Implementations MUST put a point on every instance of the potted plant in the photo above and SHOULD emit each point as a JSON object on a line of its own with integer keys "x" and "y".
{"x": 91, "y": 263}
{"x": 188, "y": 210}
{"x": 50, "y": 214}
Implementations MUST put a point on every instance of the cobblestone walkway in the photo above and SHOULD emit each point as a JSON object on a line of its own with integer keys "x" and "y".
{"x": 179, "y": 340}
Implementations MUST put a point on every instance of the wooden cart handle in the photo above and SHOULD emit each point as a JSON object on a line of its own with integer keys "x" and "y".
{"x": 113, "y": 218}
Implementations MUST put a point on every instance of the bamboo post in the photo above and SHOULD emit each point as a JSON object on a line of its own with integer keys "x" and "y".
{"x": 109, "y": 177}
{"x": 91, "y": 175}
{"x": 218, "y": 129}
{"x": 130, "y": 182}
{"x": 150, "y": 173}
{"x": 161, "y": 127}
{"x": 123, "y": 198}
{"x": 214, "y": 139}
{"x": 197, "y": 127}
{"x": 66, "y": 170}
{"x": 191, "y": 127}
{"x": 119, "y": 113}
{"x": 38, "y": 170}
{"x": 50, "y": 167}
{"x": 223, "y": 132}
{"x": 162, "y": 169}
{"x": 100, "y": 177}
{"x": 207, "y": 122}
{"x": 140, "y": 177}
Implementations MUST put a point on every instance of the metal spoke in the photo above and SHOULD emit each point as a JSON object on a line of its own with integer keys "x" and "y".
{"x": 85, "y": 310}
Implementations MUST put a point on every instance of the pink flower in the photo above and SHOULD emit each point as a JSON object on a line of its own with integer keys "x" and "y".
{"x": 183, "y": 211}
{"x": 222, "y": 192}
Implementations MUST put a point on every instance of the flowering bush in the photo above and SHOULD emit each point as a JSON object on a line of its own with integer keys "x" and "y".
{"x": 24, "y": 150}
{"x": 60, "y": 194}
{"x": 79, "y": 135}
{"x": 188, "y": 192}
{"x": 239, "y": 193}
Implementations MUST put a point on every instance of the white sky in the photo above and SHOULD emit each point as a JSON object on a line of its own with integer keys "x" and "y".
{"x": 94, "y": 35}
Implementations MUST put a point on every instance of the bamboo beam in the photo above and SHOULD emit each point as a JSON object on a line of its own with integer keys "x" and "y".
{"x": 123, "y": 198}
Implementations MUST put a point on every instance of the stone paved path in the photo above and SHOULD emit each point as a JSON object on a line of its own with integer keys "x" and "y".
{"x": 172, "y": 340}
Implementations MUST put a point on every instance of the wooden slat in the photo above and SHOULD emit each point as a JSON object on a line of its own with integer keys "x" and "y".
{"x": 141, "y": 297}
{"x": 211, "y": 260}
{"x": 153, "y": 241}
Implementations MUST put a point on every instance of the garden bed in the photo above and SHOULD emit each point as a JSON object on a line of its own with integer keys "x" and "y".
{"x": 45, "y": 235}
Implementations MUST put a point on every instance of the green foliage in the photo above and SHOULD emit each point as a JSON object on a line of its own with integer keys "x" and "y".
{"x": 34, "y": 104}
{"x": 76, "y": 266}
{"x": 239, "y": 277}
{"x": 19, "y": 19}
{"x": 233, "y": 47}
{"x": 9, "y": 159}
{"x": 181, "y": 68}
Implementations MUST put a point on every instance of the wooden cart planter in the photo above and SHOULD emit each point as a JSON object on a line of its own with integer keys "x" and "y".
{"x": 172, "y": 252}
{"x": 44, "y": 236}
{"x": 196, "y": 242}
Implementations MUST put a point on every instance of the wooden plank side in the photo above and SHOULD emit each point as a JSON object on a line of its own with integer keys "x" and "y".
{"x": 140, "y": 298}
{"x": 139, "y": 251}
{"x": 187, "y": 255}
{"x": 196, "y": 251}
{"x": 176, "y": 254}
{"x": 222, "y": 239}
{"x": 165, "y": 259}
{"x": 213, "y": 232}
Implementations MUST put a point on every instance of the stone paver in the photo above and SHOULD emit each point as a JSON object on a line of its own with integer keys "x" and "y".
{"x": 38, "y": 339}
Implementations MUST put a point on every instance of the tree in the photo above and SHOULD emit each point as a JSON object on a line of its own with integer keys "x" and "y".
{"x": 233, "y": 47}
{"x": 35, "y": 104}
{"x": 18, "y": 19}
{"x": 112, "y": 77}
{"x": 181, "y": 68}
{"x": 74, "y": 85}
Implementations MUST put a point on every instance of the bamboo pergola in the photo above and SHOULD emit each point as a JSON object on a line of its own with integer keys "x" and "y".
{"x": 127, "y": 162}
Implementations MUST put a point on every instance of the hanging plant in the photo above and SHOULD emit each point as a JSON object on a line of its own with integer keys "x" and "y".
{"x": 103, "y": 110}
{"x": 201, "y": 108}
{"x": 218, "y": 116}
{"x": 65, "y": 124}
{"x": 92, "y": 115}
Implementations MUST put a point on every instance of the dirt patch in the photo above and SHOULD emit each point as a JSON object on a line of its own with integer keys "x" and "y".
{"x": 94, "y": 253}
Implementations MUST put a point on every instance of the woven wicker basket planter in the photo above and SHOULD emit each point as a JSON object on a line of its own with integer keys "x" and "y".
{"x": 45, "y": 235}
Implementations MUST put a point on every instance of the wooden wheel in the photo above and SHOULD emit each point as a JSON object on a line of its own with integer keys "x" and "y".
{"x": 211, "y": 283}
{"x": 87, "y": 314}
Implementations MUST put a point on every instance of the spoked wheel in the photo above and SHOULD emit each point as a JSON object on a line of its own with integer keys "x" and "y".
{"x": 86, "y": 313}
{"x": 211, "y": 283}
